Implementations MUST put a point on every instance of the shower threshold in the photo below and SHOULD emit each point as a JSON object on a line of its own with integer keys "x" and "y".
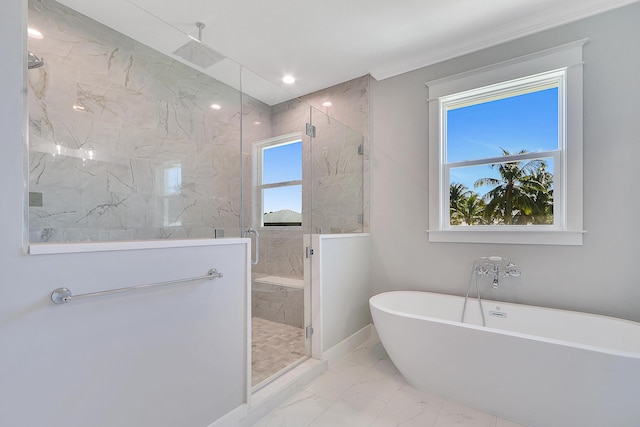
{"x": 279, "y": 374}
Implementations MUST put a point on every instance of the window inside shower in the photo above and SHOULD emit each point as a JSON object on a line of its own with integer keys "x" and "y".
{"x": 281, "y": 183}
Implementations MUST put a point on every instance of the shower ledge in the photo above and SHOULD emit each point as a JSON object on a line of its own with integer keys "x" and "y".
{"x": 287, "y": 282}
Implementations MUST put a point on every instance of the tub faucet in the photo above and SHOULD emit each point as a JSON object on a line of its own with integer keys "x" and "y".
{"x": 496, "y": 272}
{"x": 485, "y": 266}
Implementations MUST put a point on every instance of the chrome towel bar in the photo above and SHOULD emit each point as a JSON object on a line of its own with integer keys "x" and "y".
{"x": 64, "y": 295}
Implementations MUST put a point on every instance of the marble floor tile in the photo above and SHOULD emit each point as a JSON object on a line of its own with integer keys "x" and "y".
{"x": 301, "y": 410}
{"x": 501, "y": 422}
{"x": 381, "y": 381}
{"x": 365, "y": 389}
{"x": 352, "y": 409}
{"x": 410, "y": 408}
{"x": 454, "y": 414}
{"x": 368, "y": 354}
{"x": 337, "y": 380}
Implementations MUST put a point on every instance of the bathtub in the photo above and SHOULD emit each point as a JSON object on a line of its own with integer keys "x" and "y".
{"x": 537, "y": 366}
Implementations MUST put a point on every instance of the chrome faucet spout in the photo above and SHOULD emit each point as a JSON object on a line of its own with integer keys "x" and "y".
{"x": 496, "y": 272}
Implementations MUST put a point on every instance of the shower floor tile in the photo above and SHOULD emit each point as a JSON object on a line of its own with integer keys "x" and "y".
{"x": 274, "y": 346}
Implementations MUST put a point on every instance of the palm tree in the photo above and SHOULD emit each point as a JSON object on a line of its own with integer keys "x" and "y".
{"x": 458, "y": 193}
{"x": 471, "y": 210}
{"x": 543, "y": 198}
{"x": 516, "y": 197}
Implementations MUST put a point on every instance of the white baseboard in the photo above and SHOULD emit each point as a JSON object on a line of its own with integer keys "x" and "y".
{"x": 349, "y": 344}
{"x": 232, "y": 419}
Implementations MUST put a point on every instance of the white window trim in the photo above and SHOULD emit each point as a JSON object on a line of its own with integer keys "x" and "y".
{"x": 569, "y": 230}
{"x": 258, "y": 186}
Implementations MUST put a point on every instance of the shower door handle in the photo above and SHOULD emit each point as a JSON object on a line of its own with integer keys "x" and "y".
{"x": 254, "y": 231}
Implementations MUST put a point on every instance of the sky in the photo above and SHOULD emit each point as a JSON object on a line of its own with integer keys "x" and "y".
{"x": 528, "y": 122}
{"x": 282, "y": 163}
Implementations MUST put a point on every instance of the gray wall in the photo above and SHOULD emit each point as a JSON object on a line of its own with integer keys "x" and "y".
{"x": 602, "y": 275}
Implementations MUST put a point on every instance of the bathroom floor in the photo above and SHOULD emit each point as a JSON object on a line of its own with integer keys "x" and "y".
{"x": 365, "y": 389}
{"x": 274, "y": 346}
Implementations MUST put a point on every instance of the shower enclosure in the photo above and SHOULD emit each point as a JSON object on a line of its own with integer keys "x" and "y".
{"x": 130, "y": 142}
{"x": 302, "y": 174}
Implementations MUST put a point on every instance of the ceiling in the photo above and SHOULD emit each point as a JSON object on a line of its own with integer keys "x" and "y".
{"x": 326, "y": 42}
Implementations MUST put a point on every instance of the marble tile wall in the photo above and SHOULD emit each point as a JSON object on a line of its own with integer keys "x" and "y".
{"x": 279, "y": 304}
{"x": 337, "y": 199}
{"x": 124, "y": 146}
{"x": 123, "y": 142}
{"x": 349, "y": 106}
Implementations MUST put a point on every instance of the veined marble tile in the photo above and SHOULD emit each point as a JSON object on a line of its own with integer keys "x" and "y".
{"x": 278, "y": 304}
{"x": 410, "y": 408}
{"x": 337, "y": 380}
{"x": 381, "y": 381}
{"x": 368, "y": 354}
{"x": 350, "y": 410}
{"x": 501, "y": 422}
{"x": 301, "y": 410}
{"x": 101, "y": 164}
{"x": 138, "y": 113}
{"x": 454, "y": 414}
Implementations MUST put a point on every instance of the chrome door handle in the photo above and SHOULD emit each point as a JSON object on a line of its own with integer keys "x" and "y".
{"x": 254, "y": 231}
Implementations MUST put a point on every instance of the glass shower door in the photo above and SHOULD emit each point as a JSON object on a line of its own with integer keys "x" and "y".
{"x": 273, "y": 147}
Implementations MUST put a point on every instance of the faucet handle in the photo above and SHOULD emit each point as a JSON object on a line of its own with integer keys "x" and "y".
{"x": 481, "y": 271}
{"x": 512, "y": 272}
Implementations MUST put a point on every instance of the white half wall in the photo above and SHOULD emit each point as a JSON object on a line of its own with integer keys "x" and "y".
{"x": 342, "y": 284}
{"x": 599, "y": 277}
{"x": 175, "y": 356}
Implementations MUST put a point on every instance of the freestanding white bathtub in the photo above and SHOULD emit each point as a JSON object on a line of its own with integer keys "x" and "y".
{"x": 537, "y": 366}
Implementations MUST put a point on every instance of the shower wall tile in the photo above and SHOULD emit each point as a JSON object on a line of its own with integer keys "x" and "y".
{"x": 281, "y": 253}
{"x": 107, "y": 169}
{"x": 123, "y": 144}
{"x": 349, "y": 103}
{"x": 278, "y": 304}
{"x": 340, "y": 202}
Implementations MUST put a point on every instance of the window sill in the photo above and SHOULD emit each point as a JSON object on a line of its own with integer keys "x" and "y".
{"x": 515, "y": 237}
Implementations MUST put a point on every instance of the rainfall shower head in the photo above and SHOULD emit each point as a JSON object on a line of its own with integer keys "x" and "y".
{"x": 34, "y": 61}
{"x": 197, "y": 52}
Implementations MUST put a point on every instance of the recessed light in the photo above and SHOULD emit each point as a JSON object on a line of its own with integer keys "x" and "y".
{"x": 33, "y": 33}
{"x": 79, "y": 107}
{"x": 215, "y": 106}
{"x": 288, "y": 79}
{"x": 327, "y": 104}
{"x": 256, "y": 123}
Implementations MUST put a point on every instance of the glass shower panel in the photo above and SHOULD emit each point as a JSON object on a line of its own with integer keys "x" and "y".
{"x": 337, "y": 159}
{"x": 127, "y": 143}
{"x": 274, "y": 149}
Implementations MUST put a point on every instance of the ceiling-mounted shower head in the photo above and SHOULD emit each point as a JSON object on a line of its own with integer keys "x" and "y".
{"x": 200, "y": 26}
{"x": 34, "y": 61}
{"x": 197, "y": 52}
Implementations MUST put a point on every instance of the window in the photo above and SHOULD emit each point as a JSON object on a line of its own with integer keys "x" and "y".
{"x": 506, "y": 152}
{"x": 279, "y": 184}
{"x": 171, "y": 179}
